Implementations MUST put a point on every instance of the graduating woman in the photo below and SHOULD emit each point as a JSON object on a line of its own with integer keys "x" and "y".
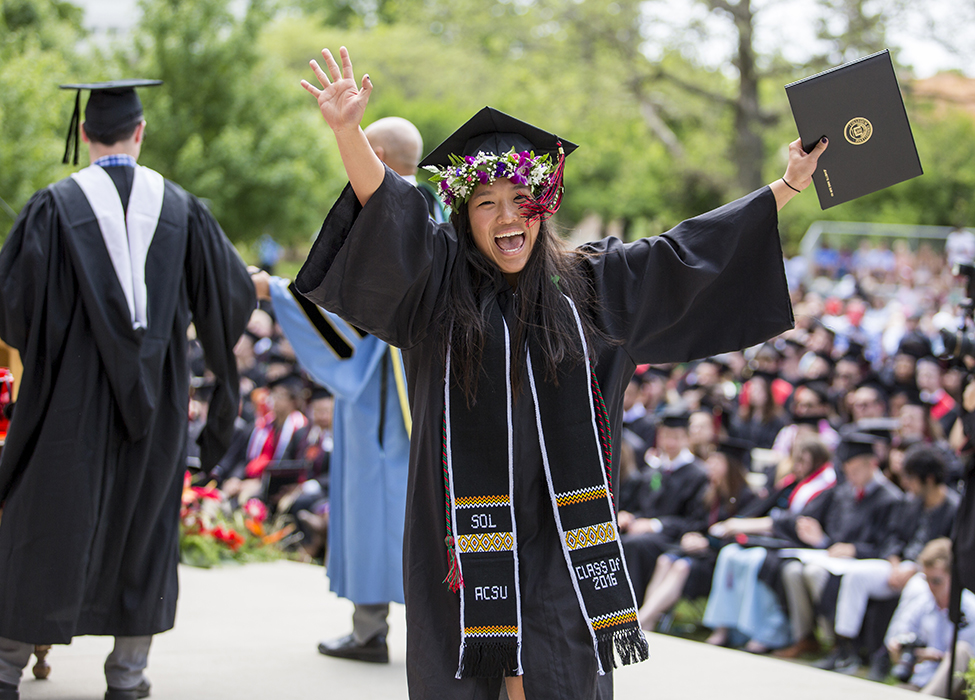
{"x": 517, "y": 353}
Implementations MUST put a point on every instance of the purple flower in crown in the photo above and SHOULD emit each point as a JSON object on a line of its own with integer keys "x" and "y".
{"x": 518, "y": 178}
{"x": 483, "y": 177}
{"x": 500, "y": 169}
{"x": 469, "y": 160}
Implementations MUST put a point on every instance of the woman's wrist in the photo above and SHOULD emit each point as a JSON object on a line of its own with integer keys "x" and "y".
{"x": 789, "y": 185}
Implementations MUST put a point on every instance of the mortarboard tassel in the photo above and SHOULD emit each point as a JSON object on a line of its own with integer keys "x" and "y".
{"x": 549, "y": 201}
{"x": 73, "y": 130}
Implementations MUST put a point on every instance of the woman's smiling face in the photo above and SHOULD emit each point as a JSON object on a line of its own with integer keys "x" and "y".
{"x": 500, "y": 230}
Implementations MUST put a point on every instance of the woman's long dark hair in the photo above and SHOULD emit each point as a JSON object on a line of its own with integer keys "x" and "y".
{"x": 544, "y": 318}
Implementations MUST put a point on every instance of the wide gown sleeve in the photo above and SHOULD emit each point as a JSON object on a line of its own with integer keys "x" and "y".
{"x": 222, "y": 298}
{"x": 381, "y": 267}
{"x": 713, "y": 284}
{"x": 25, "y": 262}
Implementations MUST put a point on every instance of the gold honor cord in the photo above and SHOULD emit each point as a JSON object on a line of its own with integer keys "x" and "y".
{"x": 404, "y": 399}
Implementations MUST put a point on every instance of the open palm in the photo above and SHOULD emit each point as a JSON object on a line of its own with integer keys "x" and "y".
{"x": 341, "y": 102}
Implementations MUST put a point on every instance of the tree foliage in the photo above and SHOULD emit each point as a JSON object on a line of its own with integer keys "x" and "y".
{"x": 37, "y": 39}
{"x": 677, "y": 106}
{"x": 228, "y": 123}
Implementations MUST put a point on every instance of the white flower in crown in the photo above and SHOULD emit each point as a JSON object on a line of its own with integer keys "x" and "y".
{"x": 458, "y": 180}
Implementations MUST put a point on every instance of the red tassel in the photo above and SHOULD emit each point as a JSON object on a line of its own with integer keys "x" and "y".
{"x": 549, "y": 201}
{"x": 454, "y": 580}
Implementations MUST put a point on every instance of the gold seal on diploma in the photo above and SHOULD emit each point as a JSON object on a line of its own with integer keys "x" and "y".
{"x": 858, "y": 130}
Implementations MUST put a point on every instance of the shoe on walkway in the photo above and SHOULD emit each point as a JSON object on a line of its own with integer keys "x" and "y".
{"x": 374, "y": 651}
{"x": 136, "y": 693}
{"x": 879, "y": 666}
{"x": 840, "y": 660}
{"x": 9, "y": 691}
{"x": 807, "y": 645}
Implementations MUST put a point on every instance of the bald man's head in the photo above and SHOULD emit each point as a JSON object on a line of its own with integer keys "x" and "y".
{"x": 397, "y": 143}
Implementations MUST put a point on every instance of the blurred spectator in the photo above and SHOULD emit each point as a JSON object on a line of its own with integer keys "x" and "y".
{"x": 850, "y": 521}
{"x": 686, "y": 570}
{"x": 670, "y": 500}
{"x": 921, "y": 627}
{"x": 927, "y": 514}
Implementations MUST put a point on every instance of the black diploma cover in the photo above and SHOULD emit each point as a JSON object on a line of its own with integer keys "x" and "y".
{"x": 859, "y": 108}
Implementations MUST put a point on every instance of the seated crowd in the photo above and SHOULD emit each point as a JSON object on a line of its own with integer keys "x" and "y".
{"x": 803, "y": 493}
{"x": 283, "y": 436}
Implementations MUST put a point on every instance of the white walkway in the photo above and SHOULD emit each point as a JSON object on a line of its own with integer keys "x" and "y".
{"x": 251, "y": 632}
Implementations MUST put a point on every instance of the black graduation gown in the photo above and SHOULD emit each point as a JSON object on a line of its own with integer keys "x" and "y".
{"x": 92, "y": 469}
{"x": 714, "y": 284}
{"x": 676, "y": 500}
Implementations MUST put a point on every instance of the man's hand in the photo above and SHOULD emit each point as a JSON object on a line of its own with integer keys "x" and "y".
{"x": 810, "y": 531}
{"x": 693, "y": 542}
{"x": 842, "y": 550}
{"x": 929, "y": 654}
{"x": 723, "y": 529}
{"x": 262, "y": 283}
{"x": 968, "y": 398}
{"x": 900, "y": 575}
{"x": 642, "y": 526}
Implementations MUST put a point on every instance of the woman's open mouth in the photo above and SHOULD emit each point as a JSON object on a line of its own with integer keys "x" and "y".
{"x": 510, "y": 243}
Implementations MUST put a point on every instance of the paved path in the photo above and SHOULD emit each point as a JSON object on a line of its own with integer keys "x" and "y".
{"x": 251, "y": 632}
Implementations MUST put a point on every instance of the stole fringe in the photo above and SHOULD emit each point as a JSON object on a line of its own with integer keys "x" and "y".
{"x": 488, "y": 658}
{"x": 630, "y": 644}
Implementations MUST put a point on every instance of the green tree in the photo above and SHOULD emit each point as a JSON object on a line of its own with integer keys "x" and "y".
{"x": 229, "y": 124}
{"x": 37, "y": 40}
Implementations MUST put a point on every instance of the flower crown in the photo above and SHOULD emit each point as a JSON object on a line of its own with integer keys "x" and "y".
{"x": 458, "y": 180}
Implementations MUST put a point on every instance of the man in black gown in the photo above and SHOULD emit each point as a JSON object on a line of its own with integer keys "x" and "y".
{"x": 100, "y": 278}
{"x": 671, "y": 501}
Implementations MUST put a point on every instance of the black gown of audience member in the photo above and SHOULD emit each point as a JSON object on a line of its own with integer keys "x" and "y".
{"x": 669, "y": 298}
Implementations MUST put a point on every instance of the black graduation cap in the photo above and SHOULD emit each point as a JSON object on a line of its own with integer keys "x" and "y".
{"x": 112, "y": 107}
{"x": 817, "y": 386}
{"x": 765, "y": 374}
{"x": 736, "y": 448}
{"x": 872, "y": 381}
{"x": 827, "y": 358}
{"x": 854, "y": 445}
{"x": 854, "y": 352}
{"x": 915, "y": 345}
{"x": 675, "y": 416}
{"x": 881, "y": 428}
{"x": 292, "y": 382}
{"x": 319, "y": 392}
{"x": 495, "y": 132}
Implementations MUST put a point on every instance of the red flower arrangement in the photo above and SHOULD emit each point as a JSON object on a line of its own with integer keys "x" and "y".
{"x": 210, "y": 533}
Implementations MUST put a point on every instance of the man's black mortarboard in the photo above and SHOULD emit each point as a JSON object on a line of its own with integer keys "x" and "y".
{"x": 495, "y": 132}
{"x": 766, "y": 375}
{"x": 112, "y": 107}
{"x": 675, "y": 416}
{"x": 881, "y": 428}
{"x": 827, "y": 358}
{"x": 874, "y": 382}
{"x": 915, "y": 345}
{"x": 854, "y": 445}
{"x": 293, "y": 383}
{"x": 817, "y": 386}
{"x": 318, "y": 393}
{"x": 736, "y": 449}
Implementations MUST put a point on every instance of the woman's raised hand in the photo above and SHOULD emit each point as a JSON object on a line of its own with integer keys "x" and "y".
{"x": 341, "y": 102}
{"x": 802, "y": 165}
